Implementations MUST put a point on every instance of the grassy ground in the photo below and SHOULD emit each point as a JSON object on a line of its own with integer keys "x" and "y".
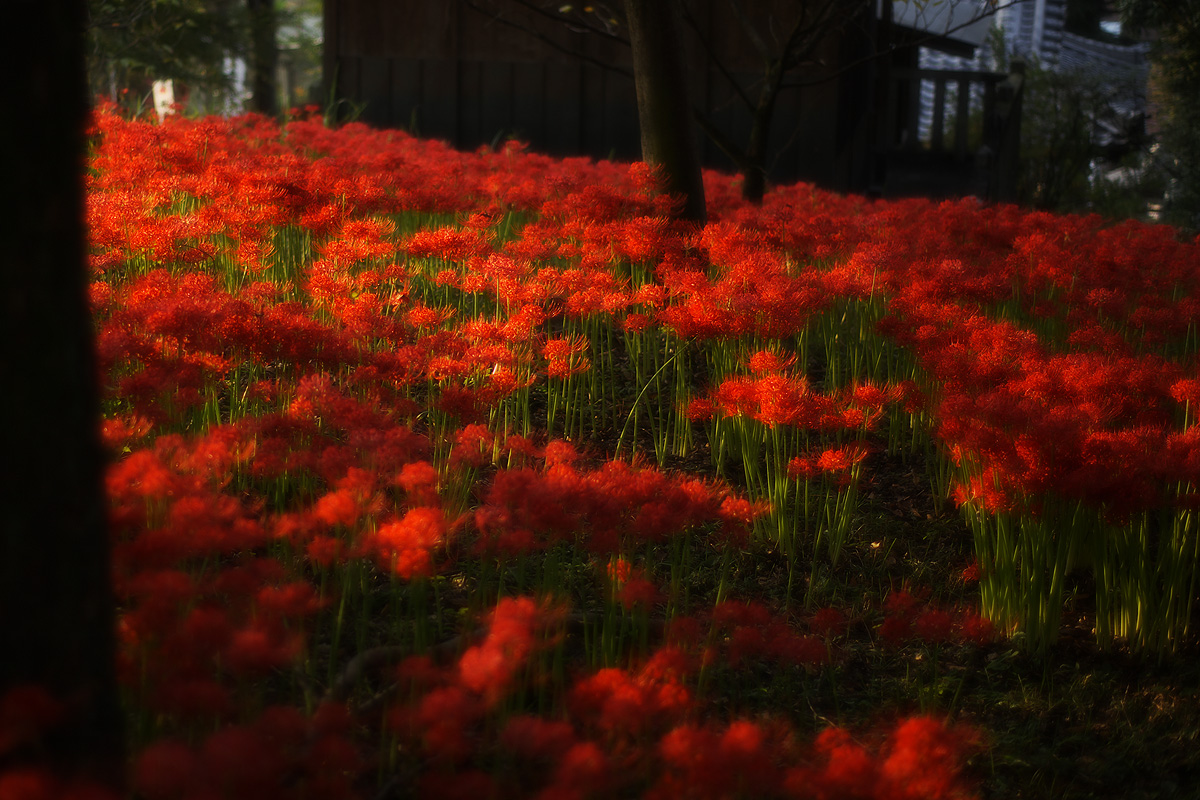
{"x": 1083, "y": 723}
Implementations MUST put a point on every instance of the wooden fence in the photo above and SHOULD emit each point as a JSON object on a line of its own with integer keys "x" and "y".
{"x": 474, "y": 72}
{"x": 456, "y": 71}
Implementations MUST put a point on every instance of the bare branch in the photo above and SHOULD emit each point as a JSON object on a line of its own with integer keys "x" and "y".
{"x": 587, "y": 26}
{"x": 723, "y": 142}
{"x": 813, "y": 33}
{"x": 712, "y": 56}
{"x": 992, "y": 11}
{"x": 556, "y": 45}
{"x": 749, "y": 29}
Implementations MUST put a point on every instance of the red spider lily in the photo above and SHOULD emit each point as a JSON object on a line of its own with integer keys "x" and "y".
{"x": 841, "y": 460}
{"x": 907, "y": 618}
{"x": 708, "y": 763}
{"x": 828, "y": 622}
{"x": 920, "y": 759}
{"x": 472, "y": 446}
{"x": 803, "y": 468}
{"x": 119, "y": 433}
{"x": 754, "y": 633}
{"x": 582, "y": 771}
{"x": 208, "y": 629}
{"x": 527, "y": 507}
{"x": 848, "y": 769}
{"x": 516, "y": 630}
{"x": 837, "y": 463}
{"x": 975, "y": 629}
{"x": 448, "y": 244}
{"x": 644, "y": 240}
{"x": 619, "y": 703}
{"x": 280, "y": 754}
{"x": 294, "y": 600}
{"x": 537, "y": 739}
{"x": 340, "y": 507}
{"x": 638, "y": 591}
{"x": 443, "y": 722}
{"x": 775, "y": 399}
{"x": 156, "y": 597}
{"x": 738, "y": 515}
{"x": 405, "y": 546}
{"x": 619, "y": 570}
{"x": 987, "y": 491}
{"x": 423, "y": 317}
{"x": 766, "y": 361}
{"x": 522, "y": 448}
{"x": 261, "y": 648}
{"x": 566, "y": 356}
{"x": 700, "y": 409}
{"x": 419, "y": 479}
{"x": 325, "y": 551}
{"x": 631, "y": 586}
{"x": 522, "y": 500}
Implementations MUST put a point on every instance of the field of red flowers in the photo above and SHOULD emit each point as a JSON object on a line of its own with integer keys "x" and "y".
{"x": 446, "y": 474}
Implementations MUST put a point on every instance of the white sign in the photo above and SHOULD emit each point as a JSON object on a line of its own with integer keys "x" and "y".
{"x": 164, "y": 98}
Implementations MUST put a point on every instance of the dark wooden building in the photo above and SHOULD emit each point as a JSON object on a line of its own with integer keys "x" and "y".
{"x": 475, "y": 72}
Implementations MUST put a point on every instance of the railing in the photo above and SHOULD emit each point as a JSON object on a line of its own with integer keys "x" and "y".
{"x": 999, "y": 137}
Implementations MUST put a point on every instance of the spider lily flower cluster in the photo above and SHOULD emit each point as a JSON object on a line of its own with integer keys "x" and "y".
{"x": 372, "y": 405}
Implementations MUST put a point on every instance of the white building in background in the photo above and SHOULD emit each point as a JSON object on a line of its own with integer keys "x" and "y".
{"x": 1035, "y": 31}
{"x": 1034, "y": 28}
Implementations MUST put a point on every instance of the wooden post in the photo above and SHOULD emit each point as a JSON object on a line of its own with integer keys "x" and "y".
{"x": 963, "y": 115}
{"x": 937, "y": 135}
{"x": 1009, "y": 95}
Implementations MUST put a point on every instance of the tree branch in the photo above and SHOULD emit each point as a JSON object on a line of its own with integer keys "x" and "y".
{"x": 547, "y": 40}
{"x": 812, "y": 34}
{"x": 723, "y": 142}
{"x": 992, "y": 11}
{"x": 750, "y": 31}
{"x": 588, "y": 27}
{"x": 712, "y": 56}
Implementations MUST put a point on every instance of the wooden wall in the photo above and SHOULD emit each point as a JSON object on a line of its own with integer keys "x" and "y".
{"x": 447, "y": 70}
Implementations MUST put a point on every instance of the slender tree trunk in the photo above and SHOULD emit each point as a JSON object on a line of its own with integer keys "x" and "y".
{"x": 754, "y": 174}
{"x": 265, "y": 56}
{"x": 56, "y": 609}
{"x": 668, "y": 140}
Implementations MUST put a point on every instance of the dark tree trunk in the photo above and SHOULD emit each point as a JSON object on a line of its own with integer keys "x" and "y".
{"x": 754, "y": 170}
{"x": 264, "y": 56}
{"x": 56, "y": 609}
{"x": 754, "y": 179}
{"x": 663, "y": 111}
